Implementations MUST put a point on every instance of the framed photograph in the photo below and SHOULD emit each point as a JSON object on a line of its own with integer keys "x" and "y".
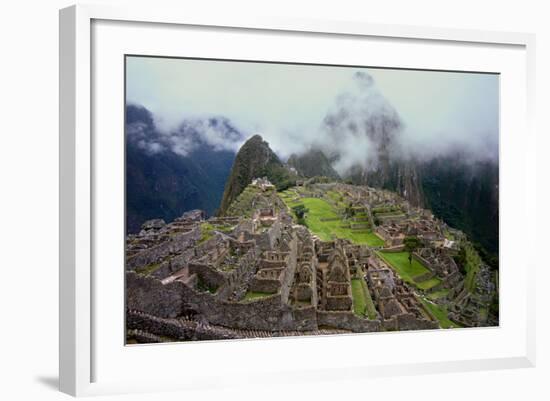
{"x": 287, "y": 198}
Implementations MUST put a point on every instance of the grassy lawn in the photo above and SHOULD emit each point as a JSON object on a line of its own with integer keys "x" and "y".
{"x": 438, "y": 294}
{"x": 426, "y": 285}
{"x": 371, "y": 310}
{"x": 327, "y": 230}
{"x": 440, "y": 313}
{"x": 359, "y": 302}
{"x": 335, "y": 196}
{"x": 409, "y": 271}
{"x": 400, "y": 261}
{"x": 255, "y": 295}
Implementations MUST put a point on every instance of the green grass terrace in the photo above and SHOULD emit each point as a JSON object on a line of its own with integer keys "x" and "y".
{"x": 409, "y": 272}
{"x": 440, "y": 313}
{"x": 253, "y": 295}
{"x": 362, "y": 301}
{"x": 323, "y": 221}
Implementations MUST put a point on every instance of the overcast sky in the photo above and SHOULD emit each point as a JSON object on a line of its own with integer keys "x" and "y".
{"x": 287, "y": 104}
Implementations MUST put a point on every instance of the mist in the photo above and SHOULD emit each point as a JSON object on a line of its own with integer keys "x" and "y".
{"x": 349, "y": 113}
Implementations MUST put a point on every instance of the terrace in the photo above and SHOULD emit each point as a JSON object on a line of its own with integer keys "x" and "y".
{"x": 412, "y": 272}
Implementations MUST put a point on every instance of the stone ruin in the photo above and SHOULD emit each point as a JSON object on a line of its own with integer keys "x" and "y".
{"x": 438, "y": 260}
{"x": 263, "y": 276}
{"x": 263, "y": 183}
{"x": 396, "y": 302}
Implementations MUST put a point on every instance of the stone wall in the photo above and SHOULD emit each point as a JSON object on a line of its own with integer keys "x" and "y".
{"x": 289, "y": 272}
{"x": 230, "y": 282}
{"x": 155, "y": 254}
{"x": 347, "y": 321}
{"x": 267, "y": 313}
{"x": 304, "y": 293}
{"x": 408, "y": 321}
{"x": 268, "y": 239}
{"x": 149, "y": 295}
{"x": 212, "y": 278}
{"x": 338, "y": 303}
{"x": 146, "y": 294}
{"x": 181, "y": 330}
{"x": 174, "y": 264}
{"x": 265, "y": 285}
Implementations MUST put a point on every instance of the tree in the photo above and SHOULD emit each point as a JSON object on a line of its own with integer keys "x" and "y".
{"x": 411, "y": 245}
{"x": 300, "y": 212}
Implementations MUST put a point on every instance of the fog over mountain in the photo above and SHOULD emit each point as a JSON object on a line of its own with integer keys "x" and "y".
{"x": 295, "y": 107}
{"x": 170, "y": 173}
{"x": 432, "y": 137}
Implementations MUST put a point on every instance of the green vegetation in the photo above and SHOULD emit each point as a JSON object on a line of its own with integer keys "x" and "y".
{"x": 313, "y": 163}
{"x": 466, "y": 204}
{"x": 371, "y": 310}
{"x": 204, "y": 287}
{"x": 428, "y": 284}
{"x": 254, "y": 159}
{"x": 323, "y": 221}
{"x": 207, "y": 230}
{"x": 299, "y": 211}
{"x": 250, "y": 295}
{"x": 400, "y": 261}
{"x": 490, "y": 258}
{"x": 242, "y": 206}
{"x": 411, "y": 244}
{"x": 279, "y": 176}
{"x": 447, "y": 234}
{"x": 409, "y": 272}
{"x": 335, "y": 196}
{"x": 470, "y": 262}
{"x": 434, "y": 296}
{"x": 389, "y": 210}
{"x": 149, "y": 269}
{"x": 359, "y": 301}
{"x": 440, "y": 313}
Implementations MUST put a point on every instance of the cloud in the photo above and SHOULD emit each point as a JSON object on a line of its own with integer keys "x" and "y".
{"x": 192, "y": 133}
{"x": 344, "y": 110}
{"x": 360, "y": 125}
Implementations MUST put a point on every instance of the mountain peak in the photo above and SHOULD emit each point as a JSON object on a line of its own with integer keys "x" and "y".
{"x": 254, "y": 159}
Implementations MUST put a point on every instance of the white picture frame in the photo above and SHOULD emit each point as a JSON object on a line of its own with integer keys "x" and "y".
{"x": 81, "y": 346}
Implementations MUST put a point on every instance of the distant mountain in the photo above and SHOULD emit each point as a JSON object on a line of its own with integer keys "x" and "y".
{"x": 254, "y": 159}
{"x": 465, "y": 195}
{"x": 312, "y": 163}
{"x": 168, "y": 174}
{"x": 462, "y": 192}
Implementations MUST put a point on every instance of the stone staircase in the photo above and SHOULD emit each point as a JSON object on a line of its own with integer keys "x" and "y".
{"x": 188, "y": 328}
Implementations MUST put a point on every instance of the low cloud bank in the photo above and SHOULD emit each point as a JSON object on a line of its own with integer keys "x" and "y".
{"x": 350, "y": 114}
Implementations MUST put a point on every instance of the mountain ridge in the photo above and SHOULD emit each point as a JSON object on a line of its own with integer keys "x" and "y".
{"x": 162, "y": 183}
